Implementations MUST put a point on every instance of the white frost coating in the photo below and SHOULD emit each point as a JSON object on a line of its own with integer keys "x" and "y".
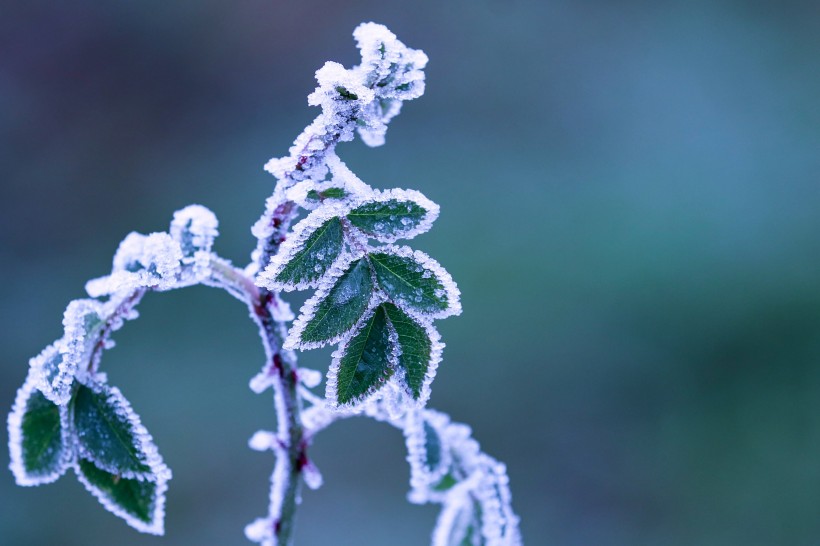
{"x": 422, "y": 478}
{"x": 295, "y": 243}
{"x": 331, "y": 387}
{"x": 142, "y": 261}
{"x": 310, "y": 378}
{"x": 312, "y": 475}
{"x": 364, "y": 98}
{"x": 50, "y": 373}
{"x": 436, "y": 350}
{"x": 156, "y": 525}
{"x": 280, "y": 309}
{"x": 343, "y": 174}
{"x": 299, "y": 193}
{"x": 147, "y": 451}
{"x": 15, "y": 424}
{"x": 263, "y": 440}
{"x": 58, "y": 364}
{"x": 194, "y": 227}
{"x": 410, "y": 229}
{"x": 159, "y": 473}
{"x": 456, "y": 516}
{"x": 262, "y": 530}
{"x": 393, "y": 70}
{"x": 499, "y": 524}
{"x": 308, "y": 310}
{"x": 429, "y": 266}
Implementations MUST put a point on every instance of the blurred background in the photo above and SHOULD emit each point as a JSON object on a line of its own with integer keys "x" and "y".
{"x": 629, "y": 196}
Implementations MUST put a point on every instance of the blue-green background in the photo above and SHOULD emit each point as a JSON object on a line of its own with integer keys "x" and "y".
{"x": 629, "y": 194}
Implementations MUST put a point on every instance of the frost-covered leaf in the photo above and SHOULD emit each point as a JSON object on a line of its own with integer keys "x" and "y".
{"x": 459, "y": 524}
{"x": 306, "y": 256}
{"x": 329, "y": 193}
{"x": 142, "y": 261}
{"x": 394, "y": 214}
{"x": 110, "y": 433}
{"x": 499, "y": 524}
{"x": 432, "y": 447}
{"x": 140, "y": 502}
{"x": 416, "y": 282}
{"x": 56, "y": 367}
{"x": 428, "y": 453}
{"x": 419, "y": 351}
{"x": 39, "y": 443}
{"x": 363, "y": 363}
{"x": 195, "y": 227}
{"x": 335, "y": 308}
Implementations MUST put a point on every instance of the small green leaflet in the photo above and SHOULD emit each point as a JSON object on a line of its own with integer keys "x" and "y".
{"x": 416, "y": 282}
{"x": 313, "y": 257}
{"x": 395, "y": 214}
{"x": 109, "y": 432}
{"x": 415, "y": 346}
{"x": 365, "y": 363}
{"x": 387, "y": 340}
{"x": 432, "y": 447}
{"x": 139, "y": 502}
{"x": 327, "y": 316}
{"x": 39, "y": 444}
{"x": 330, "y": 193}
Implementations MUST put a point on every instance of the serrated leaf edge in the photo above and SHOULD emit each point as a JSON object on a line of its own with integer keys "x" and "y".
{"x": 146, "y": 449}
{"x": 157, "y": 524}
{"x": 422, "y": 479}
{"x": 382, "y": 196}
{"x": 436, "y": 350}
{"x": 331, "y": 387}
{"x": 308, "y": 310}
{"x": 15, "y": 429}
{"x": 448, "y": 284}
{"x": 294, "y": 244}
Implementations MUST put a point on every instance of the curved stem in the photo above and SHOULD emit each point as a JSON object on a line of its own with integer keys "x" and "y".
{"x": 282, "y": 373}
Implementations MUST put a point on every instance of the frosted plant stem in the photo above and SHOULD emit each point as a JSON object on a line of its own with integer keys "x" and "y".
{"x": 282, "y": 370}
{"x": 288, "y": 414}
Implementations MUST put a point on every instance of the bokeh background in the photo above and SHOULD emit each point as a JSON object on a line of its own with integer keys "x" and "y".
{"x": 629, "y": 195}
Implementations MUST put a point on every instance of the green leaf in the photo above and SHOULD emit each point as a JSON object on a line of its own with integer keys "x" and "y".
{"x": 40, "y": 451}
{"x": 410, "y": 283}
{"x": 415, "y": 345}
{"x": 432, "y": 447}
{"x": 389, "y": 219}
{"x": 330, "y": 193}
{"x": 447, "y": 482}
{"x": 365, "y": 362}
{"x": 133, "y": 500}
{"x": 109, "y": 432}
{"x": 339, "y": 310}
{"x": 313, "y": 257}
{"x": 345, "y": 94}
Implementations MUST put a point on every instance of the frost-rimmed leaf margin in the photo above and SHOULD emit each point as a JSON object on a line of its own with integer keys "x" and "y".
{"x": 145, "y": 453}
{"x": 51, "y": 375}
{"x": 295, "y": 247}
{"x": 338, "y": 356}
{"x": 417, "y": 432}
{"x": 413, "y": 226}
{"x": 419, "y": 394}
{"x": 448, "y": 287}
{"x": 82, "y": 320}
{"x": 156, "y": 521}
{"x": 308, "y": 311}
{"x": 22, "y": 475}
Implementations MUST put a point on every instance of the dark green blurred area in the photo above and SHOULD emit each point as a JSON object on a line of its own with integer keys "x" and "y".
{"x": 629, "y": 196}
